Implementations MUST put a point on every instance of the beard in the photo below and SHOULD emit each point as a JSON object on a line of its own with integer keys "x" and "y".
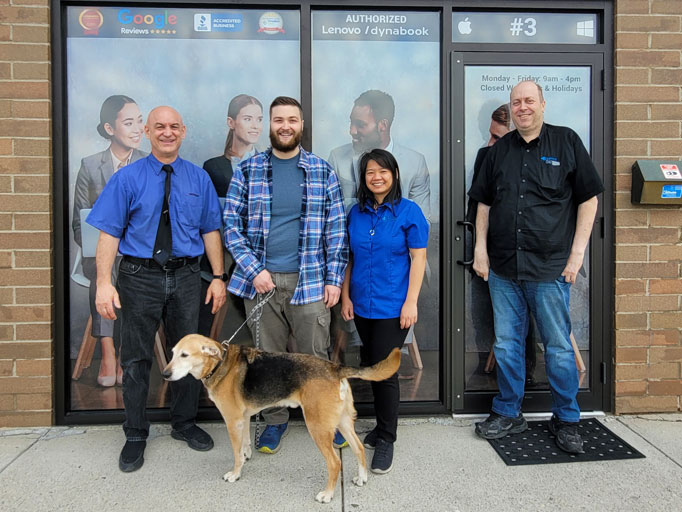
{"x": 281, "y": 146}
{"x": 369, "y": 141}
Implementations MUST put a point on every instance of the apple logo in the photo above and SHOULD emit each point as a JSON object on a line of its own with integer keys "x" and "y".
{"x": 464, "y": 27}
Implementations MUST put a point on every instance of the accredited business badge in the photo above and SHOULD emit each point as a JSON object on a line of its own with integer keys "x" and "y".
{"x": 202, "y": 22}
{"x": 271, "y": 23}
{"x": 91, "y": 20}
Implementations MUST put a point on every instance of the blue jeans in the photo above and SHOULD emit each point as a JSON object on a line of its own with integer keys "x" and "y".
{"x": 548, "y": 301}
{"x": 148, "y": 295}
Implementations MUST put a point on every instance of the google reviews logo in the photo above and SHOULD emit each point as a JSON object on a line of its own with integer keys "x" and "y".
{"x": 147, "y": 23}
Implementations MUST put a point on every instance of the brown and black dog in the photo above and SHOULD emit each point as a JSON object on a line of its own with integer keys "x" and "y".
{"x": 242, "y": 381}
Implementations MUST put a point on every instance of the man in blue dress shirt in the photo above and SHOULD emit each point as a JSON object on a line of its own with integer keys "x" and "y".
{"x": 153, "y": 284}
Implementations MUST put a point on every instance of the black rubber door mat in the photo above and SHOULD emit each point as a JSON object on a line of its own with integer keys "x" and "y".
{"x": 536, "y": 445}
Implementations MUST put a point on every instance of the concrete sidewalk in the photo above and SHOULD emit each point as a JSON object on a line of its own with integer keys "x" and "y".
{"x": 439, "y": 465}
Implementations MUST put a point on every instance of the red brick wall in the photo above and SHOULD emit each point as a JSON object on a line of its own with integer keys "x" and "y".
{"x": 648, "y": 114}
{"x": 26, "y": 391}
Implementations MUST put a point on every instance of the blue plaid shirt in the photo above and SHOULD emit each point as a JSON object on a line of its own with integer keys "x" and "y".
{"x": 322, "y": 238}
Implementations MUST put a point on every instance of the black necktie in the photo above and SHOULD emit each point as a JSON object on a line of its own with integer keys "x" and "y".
{"x": 164, "y": 239}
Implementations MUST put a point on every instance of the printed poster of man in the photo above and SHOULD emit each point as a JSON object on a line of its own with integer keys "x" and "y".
{"x": 566, "y": 91}
{"x": 121, "y": 63}
{"x": 390, "y": 99}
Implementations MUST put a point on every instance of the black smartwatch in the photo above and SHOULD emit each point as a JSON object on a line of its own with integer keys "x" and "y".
{"x": 222, "y": 277}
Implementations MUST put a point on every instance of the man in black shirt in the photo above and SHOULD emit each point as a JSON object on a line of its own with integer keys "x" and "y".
{"x": 537, "y": 193}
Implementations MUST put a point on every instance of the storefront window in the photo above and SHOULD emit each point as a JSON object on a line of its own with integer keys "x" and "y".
{"x": 120, "y": 63}
{"x": 376, "y": 84}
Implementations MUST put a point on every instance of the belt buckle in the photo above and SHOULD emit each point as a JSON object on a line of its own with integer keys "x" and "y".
{"x": 168, "y": 266}
{"x": 174, "y": 265}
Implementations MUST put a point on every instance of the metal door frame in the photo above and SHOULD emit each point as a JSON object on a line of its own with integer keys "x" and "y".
{"x": 592, "y": 398}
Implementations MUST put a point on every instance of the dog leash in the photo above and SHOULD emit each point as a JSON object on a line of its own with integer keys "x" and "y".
{"x": 258, "y": 308}
{"x": 256, "y": 436}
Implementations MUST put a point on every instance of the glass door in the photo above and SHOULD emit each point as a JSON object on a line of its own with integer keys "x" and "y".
{"x": 481, "y": 84}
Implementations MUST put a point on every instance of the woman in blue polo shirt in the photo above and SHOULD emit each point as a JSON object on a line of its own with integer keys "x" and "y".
{"x": 388, "y": 235}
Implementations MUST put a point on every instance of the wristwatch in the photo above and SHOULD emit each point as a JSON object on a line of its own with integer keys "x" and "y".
{"x": 222, "y": 277}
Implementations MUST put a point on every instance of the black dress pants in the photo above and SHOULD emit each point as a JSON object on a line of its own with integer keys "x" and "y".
{"x": 379, "y": 337}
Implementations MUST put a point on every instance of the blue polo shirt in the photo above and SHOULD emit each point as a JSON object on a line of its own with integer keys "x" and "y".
{"x": 380, "y": 242}
{"x": 130, "y": 205}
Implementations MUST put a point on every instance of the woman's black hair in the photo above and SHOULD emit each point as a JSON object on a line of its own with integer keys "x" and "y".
{"x": 109, "y": 111}
{"x": 387, "y": 161}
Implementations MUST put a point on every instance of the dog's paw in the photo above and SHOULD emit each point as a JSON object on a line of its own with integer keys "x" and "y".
{"x": 231, "y": 476}
{"x": 324, "y": 496}
{"x": 360, "y": 480}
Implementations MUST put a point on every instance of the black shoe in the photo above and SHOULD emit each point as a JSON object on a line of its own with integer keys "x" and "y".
{"x": 196, "y": 438}
{"x": 370, "y": 441}
{"x": 567, "y": 436}
{"x": 382, "y": 462}
{"x": 497, "y": 426}
{"x": 132, "y": 456}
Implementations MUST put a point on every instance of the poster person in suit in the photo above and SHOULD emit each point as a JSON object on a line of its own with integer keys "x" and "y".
{"x": 370, "y": 128}
{"x": 121, "y": 123}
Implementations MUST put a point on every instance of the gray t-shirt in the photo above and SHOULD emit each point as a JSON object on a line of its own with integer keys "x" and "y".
{"x": 281, "y": 250}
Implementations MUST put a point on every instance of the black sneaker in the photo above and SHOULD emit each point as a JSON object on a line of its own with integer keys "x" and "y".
{"x": 132, "y": 456}
{"x": 196, "y": 438}
{"x": 567, "y": 436}
{"x": 382, "y": 462}
{"x": 497, "y": 426}
{"x": 371, "y": 440}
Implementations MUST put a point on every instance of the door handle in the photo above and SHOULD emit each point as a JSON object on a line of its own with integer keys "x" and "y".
{"x": 470, "y": 226}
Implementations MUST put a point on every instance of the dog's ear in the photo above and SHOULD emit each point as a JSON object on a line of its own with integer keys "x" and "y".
{"x": 251, "y": 356}
{"x": 210, "y": 350}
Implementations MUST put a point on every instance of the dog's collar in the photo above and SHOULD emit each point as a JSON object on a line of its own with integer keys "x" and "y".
{"x": 218, "y": 365}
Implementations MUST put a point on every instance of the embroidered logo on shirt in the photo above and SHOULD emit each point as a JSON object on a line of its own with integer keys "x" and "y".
{"x": 550, "y": 160}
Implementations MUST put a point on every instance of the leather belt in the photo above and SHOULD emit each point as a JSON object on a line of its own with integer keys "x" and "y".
{"x": 171, "y": 264}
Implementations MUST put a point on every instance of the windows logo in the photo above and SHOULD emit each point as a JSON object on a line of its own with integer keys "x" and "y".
{"x": 585, "y": 28}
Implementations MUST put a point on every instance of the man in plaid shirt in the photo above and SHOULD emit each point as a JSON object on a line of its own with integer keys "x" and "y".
{"x": 286, "y": 229}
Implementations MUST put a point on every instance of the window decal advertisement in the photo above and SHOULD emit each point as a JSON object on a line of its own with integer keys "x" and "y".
{"x": 376, "y": 84}
{"x": 121, "y": 62}
{"x": 529, "y": 27}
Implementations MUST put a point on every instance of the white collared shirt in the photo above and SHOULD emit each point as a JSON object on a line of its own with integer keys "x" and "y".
{"x": 237, "y": 160}
{"x": 118, "y": 164}
{"x": 356, "y": 162}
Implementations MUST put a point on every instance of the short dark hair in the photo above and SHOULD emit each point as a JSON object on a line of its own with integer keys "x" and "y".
{"x": 502, "y": 116}
{"x": 380, "y": 103}
{"x": 109, "y": 112}
{"x": 286, "y": 100}
{"x": 387, "y": 161}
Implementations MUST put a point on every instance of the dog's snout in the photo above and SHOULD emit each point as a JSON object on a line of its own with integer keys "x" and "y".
{"x": 166, "y": 373}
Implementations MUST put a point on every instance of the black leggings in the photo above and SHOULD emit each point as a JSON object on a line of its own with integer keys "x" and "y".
{"x": 379, "y": 337}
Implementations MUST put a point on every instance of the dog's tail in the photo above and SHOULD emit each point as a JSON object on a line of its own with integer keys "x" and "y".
{"x": 380, "y": 371}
